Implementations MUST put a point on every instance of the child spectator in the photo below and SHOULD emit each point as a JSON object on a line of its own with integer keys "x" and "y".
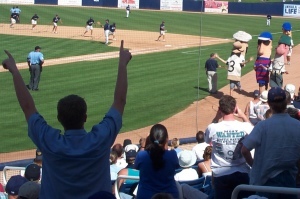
{"x": 186, "y": 160}
{"x": 200, "y": 147}
{"x": 249, "y": 110}
{"x": 175, "y": 145}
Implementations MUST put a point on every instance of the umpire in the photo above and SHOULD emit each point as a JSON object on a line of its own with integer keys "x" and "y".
{"x": 35, "y": 62}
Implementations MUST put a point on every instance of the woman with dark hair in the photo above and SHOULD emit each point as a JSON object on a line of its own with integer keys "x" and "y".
{"x": 157, "y": 165}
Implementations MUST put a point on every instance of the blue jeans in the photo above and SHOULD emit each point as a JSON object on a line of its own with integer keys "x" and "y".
{"x": 283, "y": 179}
{"x": 224, "y": 185}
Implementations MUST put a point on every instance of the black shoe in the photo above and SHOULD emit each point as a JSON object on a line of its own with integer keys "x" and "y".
{"x": 28, "y": 87}
{"x": 35, "y": 89}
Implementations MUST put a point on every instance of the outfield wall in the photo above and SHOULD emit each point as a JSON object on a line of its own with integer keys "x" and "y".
{"x": 291, "y": 9}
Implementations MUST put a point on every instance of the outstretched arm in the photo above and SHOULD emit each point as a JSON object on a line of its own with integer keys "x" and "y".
{"x": 219, "y": 58}
{"x": 25, "y": 99}
{"x": 121, "y": 84}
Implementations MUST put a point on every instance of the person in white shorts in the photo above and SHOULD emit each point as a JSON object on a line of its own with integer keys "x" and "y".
{"x": 13, "y": 19}
{"x": 162, "y": 31}
{"x": 34, "y": 20}
{"x": 89, "y": 26}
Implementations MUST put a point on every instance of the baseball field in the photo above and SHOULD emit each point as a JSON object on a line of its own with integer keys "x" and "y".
{"x": 166, "y": 79}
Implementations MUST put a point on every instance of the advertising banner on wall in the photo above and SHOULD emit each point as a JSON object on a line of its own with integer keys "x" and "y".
{"x": 17, "y": 1}
{"x": 291, "y": 10}
{"x": 69, "y": 2}
{"x": 171, "y": 5}
{"x": 132, "y": 3}
{"x": 216, "y": 6}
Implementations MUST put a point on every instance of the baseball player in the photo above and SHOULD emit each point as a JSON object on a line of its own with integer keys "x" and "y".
{"x": 269, "y": 17}
{"x": 162, "y": 31}
{"x": 55, "y": 20}
{"x": 34, "y": 20}
{"x": 89, "y": 26}
{"x": 13, "y": 19}
{"x": 35, "y": 60}
{"x": 106, "y": 31}
{"x": 12, "y": 10}
{"x": 112, "y": 30}
{"x": 127, "y": 11}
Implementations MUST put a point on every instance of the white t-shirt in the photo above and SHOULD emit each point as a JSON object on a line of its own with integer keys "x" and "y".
{"x": 186, "y": 175}
{"x": 199, "y": 150}
{"x": 234, "y": 67}
{"x": 226, "y": 157}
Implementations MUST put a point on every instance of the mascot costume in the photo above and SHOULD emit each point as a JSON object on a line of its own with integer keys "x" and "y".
{"x": 263, "y": 60}
{"x": 278, "y": 65}
{"x": 237, "y": 59}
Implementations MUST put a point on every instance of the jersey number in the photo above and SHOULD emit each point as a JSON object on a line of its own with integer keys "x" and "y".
{"x": 231, "y": 66}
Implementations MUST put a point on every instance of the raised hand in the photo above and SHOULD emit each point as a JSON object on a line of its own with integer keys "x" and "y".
{"x": 125, "y": 55}
{"x": 9, "y": 63}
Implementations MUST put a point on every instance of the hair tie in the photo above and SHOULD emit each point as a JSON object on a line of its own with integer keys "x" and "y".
{"x": 156, "y": 142}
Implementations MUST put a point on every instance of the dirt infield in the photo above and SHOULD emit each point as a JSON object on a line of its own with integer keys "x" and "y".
{"x": 184, "y": 124}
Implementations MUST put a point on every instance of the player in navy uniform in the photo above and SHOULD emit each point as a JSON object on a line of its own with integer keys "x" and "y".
{"x": 106, "y": 30}
{"x": 34, "y": 20}
{"x": 55, "y": 20}
{"x": 13, "y": 19}
{"x": 162, "y": 31}
{"x": 127, "y": 11}
{"x": 112, "y": 30}
{"x": 269, "y": 17}
{"x": 89, "y": 26}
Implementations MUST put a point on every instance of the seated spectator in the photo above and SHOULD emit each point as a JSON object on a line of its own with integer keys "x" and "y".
{"x": 289, "y": 100}
{"x": 290, "y": 88}
{"x": 13, "y": 185}
{"x": 200, "y": 147}
{"x": 33, "y": 172}
{"x": 38, "y": 157}
{"x": 142, "y": 144}
{"x": 249, "y": 110}
{"x": 175, "y": 145}
{"x": 268, "y": 113}
{"x": 129, "y": 170}
{"x": 294, "y": 113}
{"x": 204, "y": 167}
{"x": 261, "y": 109}
{"x": 114, "y": 168}
{"x": 121, "y": 162}
{"x": 29, "y": 190}
{"x": 186, "y": 160}
{"x": 157, "y": 165}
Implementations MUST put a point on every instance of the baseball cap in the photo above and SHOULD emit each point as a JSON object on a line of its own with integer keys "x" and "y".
{"x": 256, "y": 93}
{"x": 276, "y": 94}
{"x": 287, "y": 26}
{"x": 265, "y": 36}
{"x": 130, "y": 154}
{"x": 32, "y": 172}
{"x": 14, "y": 183}
{"x": 291, "y": 89}
{"x": 37, "y": 47}
{"x": 30, "y": 190}
{"x": 264, "y": 96}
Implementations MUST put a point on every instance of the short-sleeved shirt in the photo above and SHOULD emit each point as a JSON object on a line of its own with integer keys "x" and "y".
{"x": 269, "y": 17}
{"x": 128, "y": 8}
{"x": 34, "y": 17}
{"x": 226, "y": 157}
{"x": 211, "y": 64}
{"x": 277, "y": 144}
{"x": 156, "y": 181}
{"x": 112, "y": 28}
{"x": 55, "y": 19}
{"x": 76, "y": 164}
{"x": 18, "y": 10}
{"x": 90, "y": 22}
{"x": 234, "y": 67}
{"x": 106, "y": 26}
{"x": 35, "y": 57}
{"x": 162, "y": 27}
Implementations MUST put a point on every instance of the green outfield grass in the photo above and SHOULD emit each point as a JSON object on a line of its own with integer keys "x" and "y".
{"x": 160, "y": 84}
